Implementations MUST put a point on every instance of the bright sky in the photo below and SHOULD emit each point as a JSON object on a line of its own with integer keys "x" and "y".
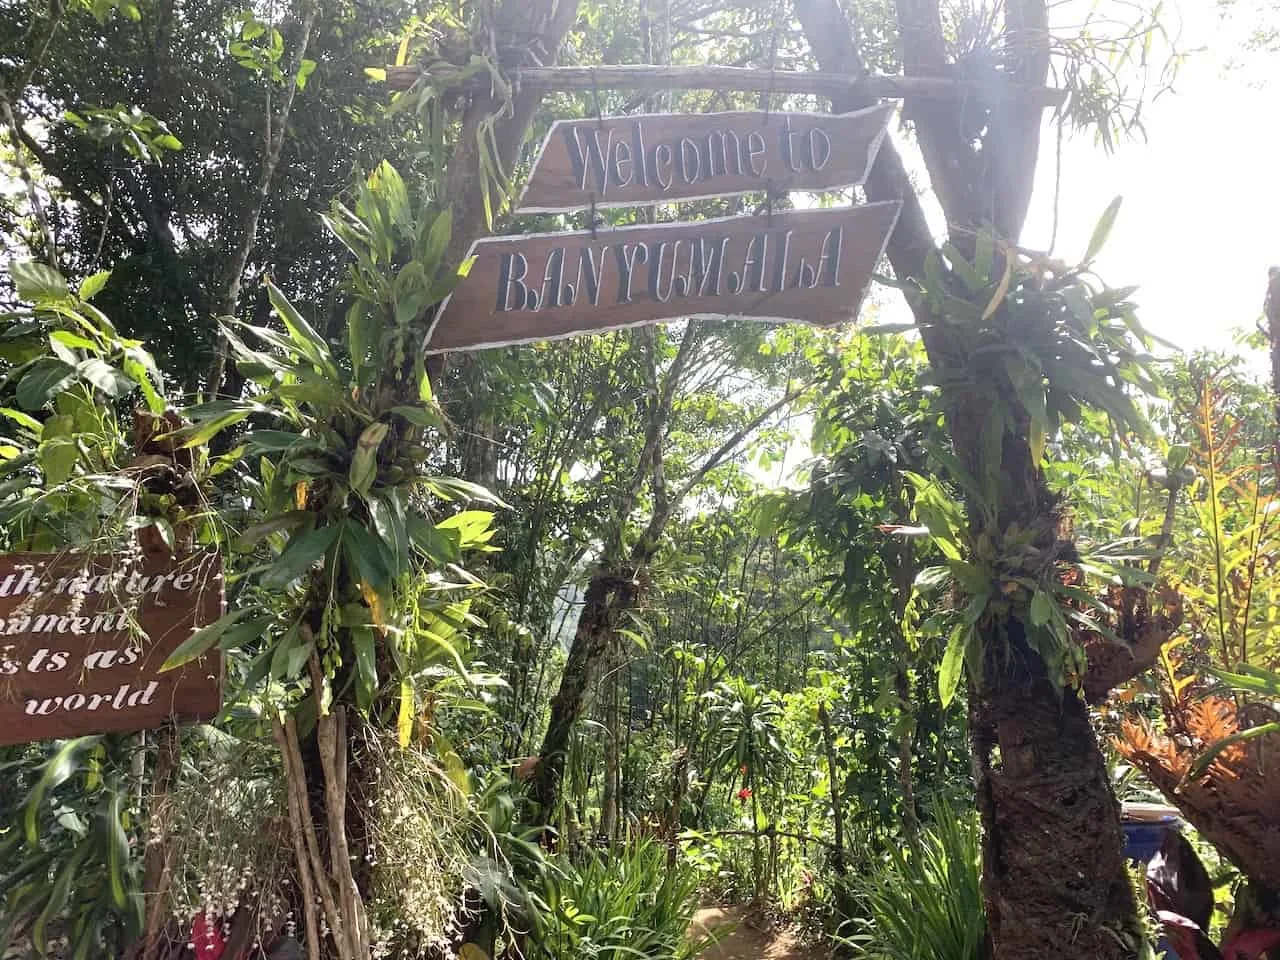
{"x": 1200, "y": 223}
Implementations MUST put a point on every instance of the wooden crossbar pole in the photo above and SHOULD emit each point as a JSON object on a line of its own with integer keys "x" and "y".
{"x": 651, "y": 78}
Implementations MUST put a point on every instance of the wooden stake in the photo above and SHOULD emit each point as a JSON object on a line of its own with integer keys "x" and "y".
{"x": 651, "y": 78}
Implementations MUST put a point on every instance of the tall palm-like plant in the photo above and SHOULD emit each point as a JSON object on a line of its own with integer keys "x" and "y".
{"x": 743, "y": 719}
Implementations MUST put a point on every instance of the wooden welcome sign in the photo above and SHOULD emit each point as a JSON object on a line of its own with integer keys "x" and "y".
{"x": 655, "y": 158}
{"x": 82, "y": 640}
{"x": 812, "y": 266}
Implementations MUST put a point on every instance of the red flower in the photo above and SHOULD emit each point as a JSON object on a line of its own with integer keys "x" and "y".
{"x": 744, "y": 794}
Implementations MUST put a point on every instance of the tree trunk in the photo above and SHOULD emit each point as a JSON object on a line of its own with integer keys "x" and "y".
{"x": 612, "y": 761}
{"x": 1054, "y": 878}
{"x": 590, "y": 641}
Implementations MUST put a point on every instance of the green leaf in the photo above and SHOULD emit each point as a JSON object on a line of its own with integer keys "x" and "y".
{"x": 450, "y": 488}
{"x": 305, "y": 69}
{"x": 377, "y": 74}
{"x": 1205, "y": 759}
{"x": 309, "y": 343}
{"x": 105, "y": 377}
{"x": 56, "y": 771}
{"x": 35, "y": 282}
{"x": 256, "y": 533}
{"x": 44, "y": 380}
{"x": 246, "y": 632}
{"x": 1041, "y": 608}
{"x": 203, "y": 640}
{"x": 1250, "y": 679}
{"x": 369, "y": 554}
{"x": 442, "y": 546}
{"x": 117, "y": 844}
{"x": 202, "y": 433}
{"x": 389, "y": 186}
{"x": 437, "y": 240}
{"x": 952, "y": 664}
{"x": 274, "y": 441}
{"x": 423, "y": 416}
{"x": 389, "y": 520}
{"x": 303, "y": 551}
{"x": 362, "y": 640}
{"x": 1103, "y": 230}
{"x": 364, "y": 463}
{"x": 92, "y": 285}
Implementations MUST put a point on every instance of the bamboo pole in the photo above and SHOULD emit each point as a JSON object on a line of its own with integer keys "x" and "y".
{"x": 652, "y": 78}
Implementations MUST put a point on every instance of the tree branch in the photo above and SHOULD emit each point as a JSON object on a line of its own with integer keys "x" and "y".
{"x": 650, "y": 78}
{"x": 233, "y": 276}
{"x": 731, "y": 444}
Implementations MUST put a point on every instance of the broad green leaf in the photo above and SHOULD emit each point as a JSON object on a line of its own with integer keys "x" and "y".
{"x": 44, "y": 380}
{"x": 952, "y": 664}
{"x": 369, "y": 554}
{"x": 203, "y": 640}
{"x": 308, "y": 342}
{"x": 1251, "y": 679}
{"x": 1103, "y": 230}
{"x": 255, "y": 534}
{"x": 274, "y": 441}
{"x": 420, "y": 416}
{"x": 117, "y": 844}
{"x": 362, "y": 640}
{"x": 57, "y": 770}
{"x": 450, "y": 488}
{"x": 364, "y": 463}
{"x": 388, "y": 516}
{"x": 35, "y": 282}
{"x": 201, "y": 433}
{"x": 437, "y": 240}
{"x": 1041, "y": 608}
{"x": 442, "y": 546}
{"x": 303, "y": 551}
{"x": 92, "y": 285}
{"x": 22, "y": 419}
{"x": 105, "y": 377}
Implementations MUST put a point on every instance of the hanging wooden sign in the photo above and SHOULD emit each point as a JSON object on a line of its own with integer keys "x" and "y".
{"x": 812, "y": 266}
{"x": 82, "y": 640}
{"x": 655, "y": 158}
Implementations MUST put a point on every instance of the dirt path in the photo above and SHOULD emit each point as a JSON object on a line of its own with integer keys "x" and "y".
{"x": 745, "y": 942}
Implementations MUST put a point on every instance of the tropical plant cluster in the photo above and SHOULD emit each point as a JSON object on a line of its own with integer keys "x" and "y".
{"x": 534, "y": 652}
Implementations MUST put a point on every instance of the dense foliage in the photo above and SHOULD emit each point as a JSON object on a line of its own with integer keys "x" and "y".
{"x": 530, "y": 652}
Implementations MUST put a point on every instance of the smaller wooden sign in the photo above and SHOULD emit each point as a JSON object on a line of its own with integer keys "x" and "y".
{"x": 812, "y": 266}
{"x": 656, "y": 158}
{"x": 82, "y": 640}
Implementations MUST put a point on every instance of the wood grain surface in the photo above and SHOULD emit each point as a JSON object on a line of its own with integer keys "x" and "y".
{"x": 812, "y": 266}
{"x": 82, "y": 640}
{"x": 656, "y": 158}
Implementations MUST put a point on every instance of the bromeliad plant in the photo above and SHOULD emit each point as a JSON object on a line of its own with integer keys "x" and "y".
{"x": 351, "y": 595}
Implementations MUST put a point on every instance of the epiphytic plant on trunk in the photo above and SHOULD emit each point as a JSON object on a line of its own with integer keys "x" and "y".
{"x": 356, "y": 592}
{"x": 992, "y": 337}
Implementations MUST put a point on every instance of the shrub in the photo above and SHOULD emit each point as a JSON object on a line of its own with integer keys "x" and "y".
{"x": 628, "y": 904}
{"x": 924, "y": 903}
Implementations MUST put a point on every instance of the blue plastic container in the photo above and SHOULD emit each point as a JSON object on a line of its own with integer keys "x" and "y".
{"x": 1141, "y": 841}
